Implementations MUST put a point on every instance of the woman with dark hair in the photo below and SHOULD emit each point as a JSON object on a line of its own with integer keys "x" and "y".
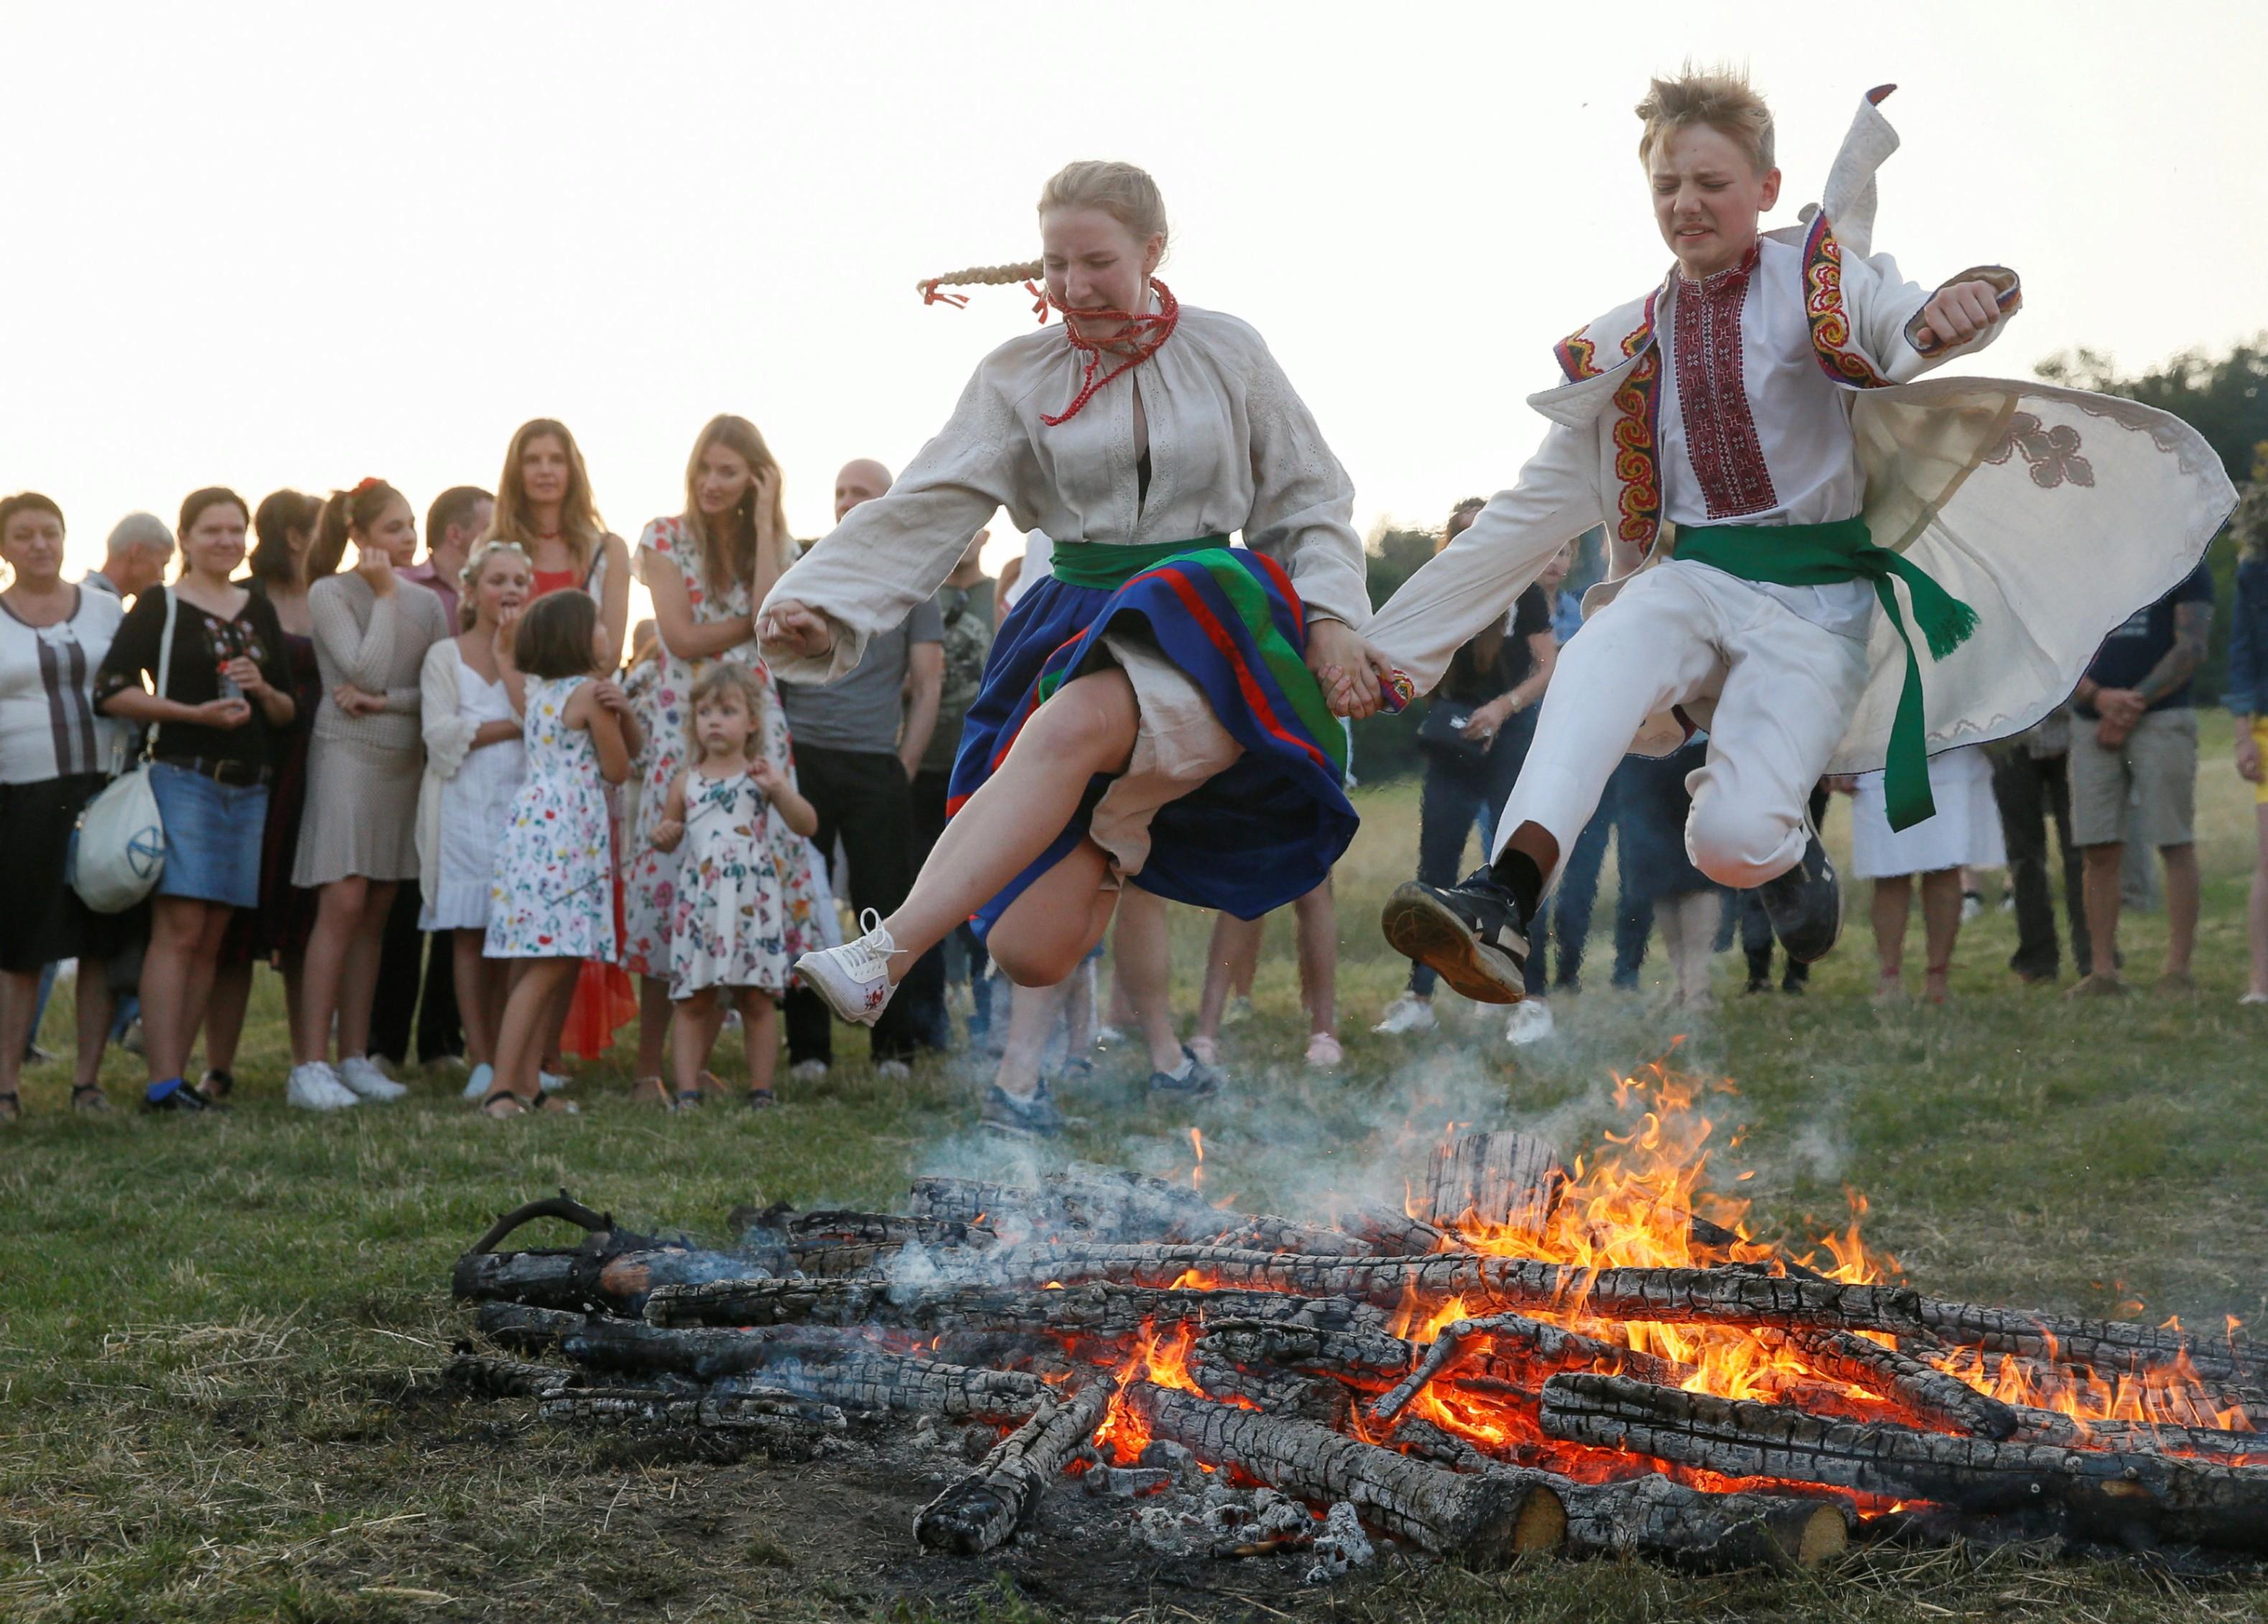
{"x": 221, "y": 695}
{"x": 357, "y": 839}
{"x": 275, "y": 933}
{"x": 54, "y": 759}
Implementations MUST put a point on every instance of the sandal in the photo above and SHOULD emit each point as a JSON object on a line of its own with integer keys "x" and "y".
{"x": 761, "y": 1099}
{"x": 524, "y": 1107}
{"x": 89, "y": 1098}
{"x": 649, "y": 1091}
{"x": 216, "y": 1085}
{"x": 688, "y": 1099}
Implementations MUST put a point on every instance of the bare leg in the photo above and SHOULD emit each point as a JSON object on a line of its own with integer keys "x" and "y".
{"x": 295, "y": 987}
{"x": 1893, "y": 902}
{"x": 760, "y": 1036}
{"x": 1079, "y": 1008}
{"x": 468, "y": 967}
{"x": 1318, "y": 918}
{"x": 693, "y": 1032}
{"x": 520, "y": 1039}
{"x": 2180, "y": 906}
{"x": 95, "y": 1004}
{"x": 1941, "y": 896}
{"x": 555, "y": 1016}
{"x": 200, "y": 980}
{"x": 225, "y": 1006}
{"x": 19, "y": 995}
{"x": 1087, "y": 727}
{"x": 338, "y": 918}
{"x": 1031, "y": 1016}
{"x": 2256, "y": 912}
{"x": 655, "y": 1023}
{"x": 177, "y": 939}
{"x": 1145, "y": 969}
{"x": 1235, "y": 947}
{"x": 1042, "y": 937}
{"x": 2103, "y": 864}
{"x": 358, "y": 983}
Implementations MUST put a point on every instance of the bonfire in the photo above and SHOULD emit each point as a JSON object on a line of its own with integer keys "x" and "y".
{"x": 1531, "y": 1354}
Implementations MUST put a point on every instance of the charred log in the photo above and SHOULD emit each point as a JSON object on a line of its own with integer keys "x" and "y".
{"x": 1519, "y": 1350}
{"x": 983, "y": 1509}
{"x": 497, "y": 1377}
{"x": 2105, "y": 1345}
{"x": 1652, "y": 1515}
{"x": 2117, "y": 1496}
{"x": 1484, "y": 1520}
{"x": 1268, "y": 1388}
{"x": 1903, "y": 1380}
{"x": 1486, "y": 1183}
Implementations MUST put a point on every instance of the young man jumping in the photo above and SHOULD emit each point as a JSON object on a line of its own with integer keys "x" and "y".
{"x": 1769, "y": 479}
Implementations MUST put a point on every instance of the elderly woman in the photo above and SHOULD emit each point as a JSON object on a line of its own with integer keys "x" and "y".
{"x": 54, "y": 756}
{"x": 220, "y": 697}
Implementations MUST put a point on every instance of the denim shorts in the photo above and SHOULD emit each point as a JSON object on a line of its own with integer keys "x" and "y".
{"x": 212, "y": 836}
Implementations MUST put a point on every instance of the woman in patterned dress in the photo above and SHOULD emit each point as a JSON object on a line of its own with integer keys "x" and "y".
{"x": 706, "y": 568}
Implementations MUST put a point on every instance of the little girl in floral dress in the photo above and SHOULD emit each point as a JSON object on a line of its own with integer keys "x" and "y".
{"x": 731, "y": 933}
{"x": 551, "y": 903}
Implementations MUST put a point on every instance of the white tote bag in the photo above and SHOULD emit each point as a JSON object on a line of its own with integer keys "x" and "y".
{"x": 118, "y": 855}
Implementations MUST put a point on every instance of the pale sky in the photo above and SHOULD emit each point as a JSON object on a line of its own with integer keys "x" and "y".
{"x": 298, "y": 244}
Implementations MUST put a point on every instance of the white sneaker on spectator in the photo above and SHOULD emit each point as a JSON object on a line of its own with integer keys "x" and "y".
{"x": 483, "y": 1079}
{"x": 551, "y": 1083}
{"x": 316, "y": 1087}
{"x": 362, "y": 1076}
{"x": 1323, "y": 1052}
{"x": 1531, "y": 1023}
{"x": 855, "y": 977}
{"x": 893, "y": 1071}
{"x": 1108, "y": 1037}
{"x": 1408, "y": 1013}
{"x": 807, "y": 1071}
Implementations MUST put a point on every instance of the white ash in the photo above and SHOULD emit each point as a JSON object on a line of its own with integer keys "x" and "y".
{"x": 1340, "y": 1545}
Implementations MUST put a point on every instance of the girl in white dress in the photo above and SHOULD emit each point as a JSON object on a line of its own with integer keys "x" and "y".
{"x": 730, "y": 930}
{"x": 551, "y": 905}
{"x": 473, "y": 697}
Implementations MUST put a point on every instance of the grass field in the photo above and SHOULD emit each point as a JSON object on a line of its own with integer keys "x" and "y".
{"x": 218, "y": 1337}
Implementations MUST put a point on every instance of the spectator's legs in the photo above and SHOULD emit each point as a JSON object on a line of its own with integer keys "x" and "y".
{"x": 1235, "y": 947}
{"x": 402, "y": 955}
{"x": 20, "y": 998}
{"x": 1144, "y": 968}
{"x": 2255, "y": 910}
{"x": 1578, "y": 893}
{"x": 1447, "y": 798}
{"x": 926, "y": 820}
{"x": 536, "y": 984}
{"x": 1031, "y": 1017}
{"x": 1893, "y": 902}
{"x": 176, "y": 977}
{"x": 1317, "y": 917}
{"x": 224, "y": 1007}
{"x": 2104, "y": 869}
{"x": 358, "y": 983}
{"x": 656, "y": 1022}
{"x": 693, "y": 1030}
{"x": 440, "y": 1024}
{"x": 1689, "y": 925}
{"x": 2181, "y": 903}
{"x": 39, "y": 1004}
{"x": 92, "y": 991}
{"x": 2055, "y": 774}
{"x": 810, "y": 1028}
{"x": 877, "y": 831}
{"x": 2019, "y": 789}
{"x": 339, "y": 925}
{"x": 1756, "y": 939}
{"x": 759, "y": 1037}
{"x": 1941, "y": 897}
{"x": 482, "y": 985}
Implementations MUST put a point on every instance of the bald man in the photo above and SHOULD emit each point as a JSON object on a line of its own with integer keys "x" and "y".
{"x": 859, "y": 742}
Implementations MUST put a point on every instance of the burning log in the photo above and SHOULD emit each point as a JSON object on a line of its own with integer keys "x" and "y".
{"x": 2112, "y": 1494}
{"x": 2147, "y": 1437}
{"x": 1903, "y": 1380}
{"x": 768, "y": 1415}
{"x": 1395, "y": 1235}
{"x": 983, "y": 1509}
{"x": 1652, "y": 1515}
{"x": 2107, "y": 1345}
{"x": 1268, "y": 1388}
{"x": 1481, "y": 1183}
{"x": 1487, "y": 1520}
{"x": 1123, "y": 1206}
{"x": 1536, "y": 1347}
{"x": 1664, "y": 1296}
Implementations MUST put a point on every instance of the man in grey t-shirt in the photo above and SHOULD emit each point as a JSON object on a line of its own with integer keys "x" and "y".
{"x": 858, "y": 741}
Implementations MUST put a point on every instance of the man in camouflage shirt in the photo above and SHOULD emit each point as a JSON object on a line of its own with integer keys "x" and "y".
{"x": 966, "y": 601}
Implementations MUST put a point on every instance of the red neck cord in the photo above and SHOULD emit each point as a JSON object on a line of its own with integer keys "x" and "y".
{"x": 1143, "y": 337}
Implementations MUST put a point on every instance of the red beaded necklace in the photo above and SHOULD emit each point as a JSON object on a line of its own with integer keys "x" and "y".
{"x": 1143, "y": 337}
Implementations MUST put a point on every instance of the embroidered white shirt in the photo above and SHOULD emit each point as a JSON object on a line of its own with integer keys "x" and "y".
{"x": 1752, "y": 431}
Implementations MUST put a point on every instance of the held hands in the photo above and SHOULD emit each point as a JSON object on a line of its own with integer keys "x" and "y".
{"x": 1957, "y": 314}
{"x": 667, "y": 833}
{"x": 1348, "y": 669}
{"x": 791, "y": 631}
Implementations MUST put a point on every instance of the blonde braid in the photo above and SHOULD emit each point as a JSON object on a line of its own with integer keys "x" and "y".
{"x": 977, "y": 276}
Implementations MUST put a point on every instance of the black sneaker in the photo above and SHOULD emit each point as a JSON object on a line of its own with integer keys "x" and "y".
{"x": 1471, "y": 934}
{"x": 1805, "y": 904}
{"x": 181, "y": 1097}
{"x": 1196, "y": 1081}
{"x": 1035, "y": 1117}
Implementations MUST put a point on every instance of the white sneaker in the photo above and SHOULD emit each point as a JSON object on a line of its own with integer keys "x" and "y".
{"x": 1531, "y": 1023}
{"x": 807, "y": 1071}
{"x": 855, "y": 977}
{"x": 893, "y": 1071}
{"x": 363, "y": 1078}
{"x": 316, "y": 1087}
{"x": 1207, "y": 1050}
{"x": 1408, "y": 1013}
{"x": 551, "y": 1083}
{"x": 1108, "y": 1037}
{"x": 483, "y": 1079}
{"x": 1324, "y": 1053}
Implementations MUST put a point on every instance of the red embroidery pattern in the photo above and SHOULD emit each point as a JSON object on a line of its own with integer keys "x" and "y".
{"x": 1823, "y": 308}
{"x": 2051, "y": 454}
{"x": 1640, "y": 503}
{"x": 1577, "y": 356}
{"x": 1713, "y": 395}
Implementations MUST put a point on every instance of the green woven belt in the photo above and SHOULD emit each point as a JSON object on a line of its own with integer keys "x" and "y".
{"x": 1823, "y": 555}
{"x": 1106, "y": 567}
